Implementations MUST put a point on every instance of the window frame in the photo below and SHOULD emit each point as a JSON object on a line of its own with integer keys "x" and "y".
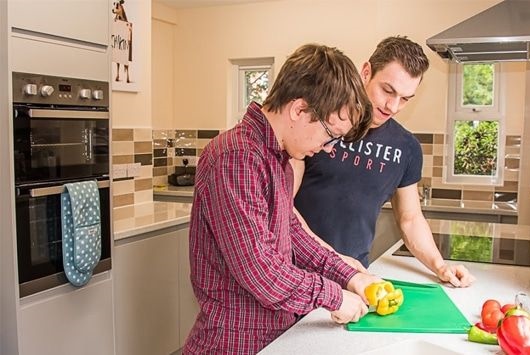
{"x": 236, "y": 95}
{"x": 457, "y": 112}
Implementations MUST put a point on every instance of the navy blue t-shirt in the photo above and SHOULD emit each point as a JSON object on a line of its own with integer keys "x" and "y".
{"x": 342, "y": 192}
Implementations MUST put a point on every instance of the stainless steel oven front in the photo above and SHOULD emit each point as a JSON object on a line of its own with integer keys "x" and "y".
{"x": 60, "y": 135}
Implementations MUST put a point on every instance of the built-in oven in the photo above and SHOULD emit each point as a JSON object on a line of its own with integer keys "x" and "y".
{"x": 60, "y": 135}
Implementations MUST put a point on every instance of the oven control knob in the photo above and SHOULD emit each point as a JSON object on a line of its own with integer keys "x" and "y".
{"x": 46, "y": 90}
{"x": 85, "y": 93}
{"x": 30, "y": 89}
{"x": 97, "y": 94}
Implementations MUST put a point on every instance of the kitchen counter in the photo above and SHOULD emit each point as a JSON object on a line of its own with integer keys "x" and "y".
{"x": 185, "y": 194}
{"x": 479, "y": 207}
{"x": 316, "y": 333}
{"x": 146, "y": 217}
{"x": 177, "y": 191}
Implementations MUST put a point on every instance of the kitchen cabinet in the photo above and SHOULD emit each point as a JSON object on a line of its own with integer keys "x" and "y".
{"x": 68, "y": 320}
{"x": 154, "y": 304}
{"x": 189, "y": 307}
{"x": 84, "y": 21}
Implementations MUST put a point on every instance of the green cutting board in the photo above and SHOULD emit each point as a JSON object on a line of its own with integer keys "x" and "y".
{"x": 424, "y": 310}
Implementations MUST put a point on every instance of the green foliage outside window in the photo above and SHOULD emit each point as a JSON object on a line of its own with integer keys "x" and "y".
{"x": 475, "y": 147}
{"x": 257, "y": 85}
{"x": 478, "y": 84}
{"x": 466, "y": 247}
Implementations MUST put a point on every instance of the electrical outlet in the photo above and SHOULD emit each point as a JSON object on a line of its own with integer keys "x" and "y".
{"x": 119, "y": 171}
{"x": 133, "y": 169}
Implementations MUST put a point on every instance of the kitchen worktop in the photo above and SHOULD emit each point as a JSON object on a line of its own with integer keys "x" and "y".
{"x": 317, "y": 334}
{"x": 146, "y": 217}
{"x": 177, "y": 191}
{"x": 433, "y": 204}
{"x": 479, "y": 207}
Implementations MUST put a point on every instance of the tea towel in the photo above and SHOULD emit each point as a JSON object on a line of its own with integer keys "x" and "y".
{"x": 81, "y": 229}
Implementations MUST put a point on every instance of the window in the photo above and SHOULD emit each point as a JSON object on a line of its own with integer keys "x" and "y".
{"x": 475, "y": 125}
{"x": 251, "y": 79}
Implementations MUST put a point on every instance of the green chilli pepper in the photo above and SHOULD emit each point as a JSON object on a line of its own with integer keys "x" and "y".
{"x": 478, "y": 335}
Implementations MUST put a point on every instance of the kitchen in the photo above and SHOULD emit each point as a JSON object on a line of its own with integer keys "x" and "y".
{"x": 175, "y": 102}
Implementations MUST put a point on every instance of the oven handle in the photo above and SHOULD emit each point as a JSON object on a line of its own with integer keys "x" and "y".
{"x": 68, "y": 114}
{"x": 55, "y": 190}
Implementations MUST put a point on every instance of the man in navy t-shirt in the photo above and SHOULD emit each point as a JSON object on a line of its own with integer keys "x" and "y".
{"x": 355, "y": 179}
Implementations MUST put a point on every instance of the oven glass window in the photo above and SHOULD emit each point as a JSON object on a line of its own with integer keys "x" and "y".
{"x": 44, "y": 230}
{"x": 57, "y": 149}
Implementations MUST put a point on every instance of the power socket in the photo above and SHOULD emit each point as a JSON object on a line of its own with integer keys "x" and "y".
{"x": 119, "y": 171}
{"x": 133, "y": 170}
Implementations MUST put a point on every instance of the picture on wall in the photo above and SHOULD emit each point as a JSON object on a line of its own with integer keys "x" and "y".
{"x": 125, "y": 63}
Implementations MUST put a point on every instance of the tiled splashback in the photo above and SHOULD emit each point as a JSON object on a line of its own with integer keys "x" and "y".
{"x": 433, "y": 151}
{"x": 129, "y": 146}
{"x": 160, "y": 152}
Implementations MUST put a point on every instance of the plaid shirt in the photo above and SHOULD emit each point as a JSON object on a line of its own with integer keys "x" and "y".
{"x": 253, "y": 267}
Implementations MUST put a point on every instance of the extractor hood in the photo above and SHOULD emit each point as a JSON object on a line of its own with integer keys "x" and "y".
{"x": 499, "y": 33}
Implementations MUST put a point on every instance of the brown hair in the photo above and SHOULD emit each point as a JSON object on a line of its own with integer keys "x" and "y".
{"x": 401, "y": 49}
{"x": 328, "y": 81}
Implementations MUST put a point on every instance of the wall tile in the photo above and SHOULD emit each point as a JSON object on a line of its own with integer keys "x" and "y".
{"x": 143, "y": 184}
{"x": 122, "y": 148}
{"x": 477, "y": 195}
{"x": 144, "y": 159}
{"x": 123, "y": 200}
{"x": 143, "y": 147}
{"x": 143, "y": 134}
{"x": 122, "y": 134}
{"x": 207, "y": 133}
{"x": 122, "y": 159}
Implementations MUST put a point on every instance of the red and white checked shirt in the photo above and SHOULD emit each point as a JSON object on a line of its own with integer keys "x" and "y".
{"x": 253, "y": 267}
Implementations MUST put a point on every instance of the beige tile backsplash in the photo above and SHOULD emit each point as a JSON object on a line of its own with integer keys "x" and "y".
{"x": 160, "y": 151}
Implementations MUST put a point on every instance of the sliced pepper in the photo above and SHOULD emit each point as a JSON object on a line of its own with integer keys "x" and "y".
{"x": 384, "y": 297}
{"x": 478, "y": 335}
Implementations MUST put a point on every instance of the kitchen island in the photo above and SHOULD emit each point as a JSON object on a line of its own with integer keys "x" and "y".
{"x": 317, "y": 334}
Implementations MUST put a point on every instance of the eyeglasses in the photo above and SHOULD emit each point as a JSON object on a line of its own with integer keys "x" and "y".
{"x": 333, "y": 139}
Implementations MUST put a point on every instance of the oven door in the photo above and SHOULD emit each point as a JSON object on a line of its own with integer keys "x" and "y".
{"x": 56, "y": 144}
{"x": 39, "y": 235}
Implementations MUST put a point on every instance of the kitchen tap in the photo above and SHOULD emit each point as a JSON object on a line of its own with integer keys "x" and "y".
{"x": 426, "y": 194}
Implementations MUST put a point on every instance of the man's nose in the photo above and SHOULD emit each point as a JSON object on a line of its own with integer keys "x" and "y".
{"x": 392, "y": 104}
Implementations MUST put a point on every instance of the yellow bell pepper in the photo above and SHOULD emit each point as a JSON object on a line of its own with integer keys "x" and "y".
{"x": 384, "y": 297}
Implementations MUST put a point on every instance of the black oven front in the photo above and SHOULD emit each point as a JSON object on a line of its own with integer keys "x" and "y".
{"x": 60, "y": 135}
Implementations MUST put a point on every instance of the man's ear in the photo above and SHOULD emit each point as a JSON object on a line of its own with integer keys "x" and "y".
{"x": 366, "y": 72}
{"x": 298, "y": 109}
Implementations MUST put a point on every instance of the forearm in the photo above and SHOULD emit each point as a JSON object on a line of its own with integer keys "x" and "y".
{"x": 417, "y": 236}
{"x": 310, "y": 232}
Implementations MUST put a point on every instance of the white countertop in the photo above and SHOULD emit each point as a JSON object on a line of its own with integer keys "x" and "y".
{"x": 316, "y": 333}
{"x": 141, "y": 218}
{"x": 479, "y": 207}
{"x": 178, "y": 191}
{"x": 436, "y": 204}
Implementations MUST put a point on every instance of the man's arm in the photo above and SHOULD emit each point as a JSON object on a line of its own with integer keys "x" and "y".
{"x": 298, "y": 174}
{"x": 417, "y": 236}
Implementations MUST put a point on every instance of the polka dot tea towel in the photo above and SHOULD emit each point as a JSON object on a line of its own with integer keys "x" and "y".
{"x": 81, "y": 228}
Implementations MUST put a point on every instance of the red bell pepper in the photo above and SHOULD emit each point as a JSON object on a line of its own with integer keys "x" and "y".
{"x": 514, "y": 335}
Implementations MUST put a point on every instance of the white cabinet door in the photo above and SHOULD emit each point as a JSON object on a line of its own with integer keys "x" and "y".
{"x": 146, "y": 280}
{"x": 83, "y": 20}
{"x": 189, "y": 307}
{"x": 68, "y": 320}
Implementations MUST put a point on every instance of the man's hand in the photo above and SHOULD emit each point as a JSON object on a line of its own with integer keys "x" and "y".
{"x": 356, "y": 264}
{"x": 360, "y": 281}
{"x": 457, "y": 275}
{"x": 352, "y": 308}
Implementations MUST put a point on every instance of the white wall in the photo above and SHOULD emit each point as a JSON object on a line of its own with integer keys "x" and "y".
{"x": 133, "y": 109}
{"x": 206, "y": 38}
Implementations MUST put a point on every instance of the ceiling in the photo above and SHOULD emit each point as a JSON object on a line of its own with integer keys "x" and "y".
{"x": 181, "y": 4}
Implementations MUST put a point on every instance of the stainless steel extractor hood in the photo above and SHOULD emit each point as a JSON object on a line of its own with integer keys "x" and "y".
{"x": 499, "y": 33}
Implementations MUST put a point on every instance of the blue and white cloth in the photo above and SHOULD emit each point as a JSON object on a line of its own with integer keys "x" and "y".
{"x": 81, "y": 228}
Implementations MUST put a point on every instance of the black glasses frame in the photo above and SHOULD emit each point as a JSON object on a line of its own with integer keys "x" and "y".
{"x": 334, "y": 140}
